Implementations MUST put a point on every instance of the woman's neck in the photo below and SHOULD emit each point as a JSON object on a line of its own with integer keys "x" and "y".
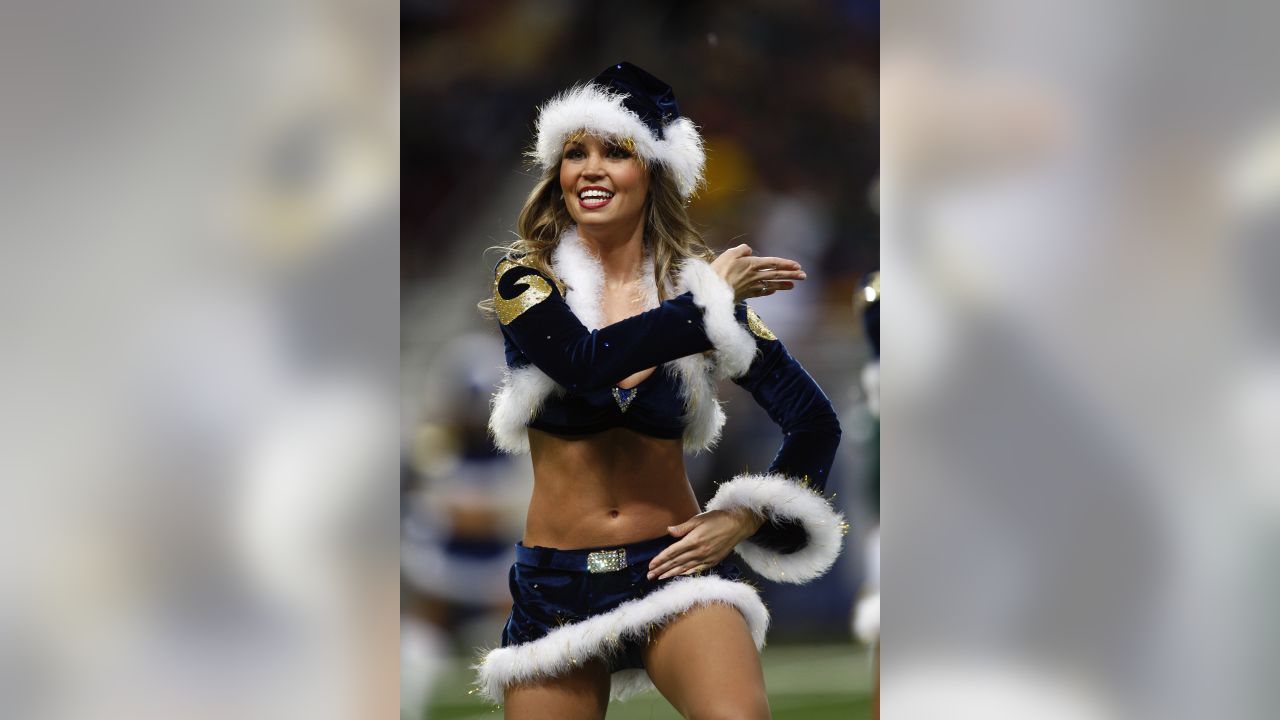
{"x": 621, "y": 252}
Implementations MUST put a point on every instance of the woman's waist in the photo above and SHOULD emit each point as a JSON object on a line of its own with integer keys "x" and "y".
{"x": 616, "y": 487}
{"x": 613, "y": 467}
{"x": 569, "y": 519}
{"x": 594, "y": 559}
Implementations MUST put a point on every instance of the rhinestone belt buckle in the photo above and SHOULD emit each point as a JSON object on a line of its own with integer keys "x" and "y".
{"x": 603, "y": 561}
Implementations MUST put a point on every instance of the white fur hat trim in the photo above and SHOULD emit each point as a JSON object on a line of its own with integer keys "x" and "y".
{"x": 601, "y": 112}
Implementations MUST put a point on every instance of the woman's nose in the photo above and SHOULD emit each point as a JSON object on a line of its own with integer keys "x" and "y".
{"x": 594, "y": 166}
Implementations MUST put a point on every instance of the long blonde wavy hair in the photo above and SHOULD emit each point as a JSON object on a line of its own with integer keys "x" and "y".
{"x": 668, "y": 232}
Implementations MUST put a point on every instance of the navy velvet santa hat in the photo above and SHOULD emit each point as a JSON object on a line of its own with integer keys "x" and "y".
{"x": 625, "y": 102}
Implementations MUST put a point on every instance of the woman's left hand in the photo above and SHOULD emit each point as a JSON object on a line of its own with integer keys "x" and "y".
{"x": 705, "y": 540}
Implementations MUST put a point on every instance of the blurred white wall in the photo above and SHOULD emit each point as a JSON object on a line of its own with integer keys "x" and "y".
{"x": 1076, "y": 504}
{"x": 200, "y": 430}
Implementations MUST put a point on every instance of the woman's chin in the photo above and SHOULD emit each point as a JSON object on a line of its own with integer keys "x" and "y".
{"x": 604, "y": 221}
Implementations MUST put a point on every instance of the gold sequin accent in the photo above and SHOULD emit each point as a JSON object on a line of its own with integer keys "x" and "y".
{"x": 758, "y": 328}
{"x": 508, "y": 310}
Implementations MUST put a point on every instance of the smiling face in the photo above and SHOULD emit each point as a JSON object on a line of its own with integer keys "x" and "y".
{"x": 604, "y": 184}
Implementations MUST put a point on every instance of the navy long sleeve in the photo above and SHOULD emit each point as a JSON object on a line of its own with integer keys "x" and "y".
{"x": 810, "y": 429}
{"x": 536, "y": 319}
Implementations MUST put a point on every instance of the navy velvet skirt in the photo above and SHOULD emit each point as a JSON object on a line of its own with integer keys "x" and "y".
{"x": 553, "y": 588}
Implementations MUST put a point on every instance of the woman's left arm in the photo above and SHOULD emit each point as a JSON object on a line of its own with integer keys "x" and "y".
{"x": 779, "y": 522}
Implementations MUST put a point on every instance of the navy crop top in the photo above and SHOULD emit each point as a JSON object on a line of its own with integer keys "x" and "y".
{"x": 562, "y": 377}
{"x": 652, "y": 408}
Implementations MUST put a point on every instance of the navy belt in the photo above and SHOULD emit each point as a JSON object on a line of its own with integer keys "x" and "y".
{"x": 593, "y": 560}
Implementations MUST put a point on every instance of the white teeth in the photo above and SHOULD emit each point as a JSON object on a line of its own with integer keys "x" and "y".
{"x": 595, "y": 195}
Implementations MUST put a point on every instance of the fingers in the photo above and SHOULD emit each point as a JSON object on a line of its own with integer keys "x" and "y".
{"x": 753, "y": 277}
{"x": 683, "y": 568}
{"x": 662, "y": 567}
{"x": 782, "y": 275}
{"x": 764, "y": 288}
{"x": 671, "y": 554}
{"x": 773, "y": 263}
{"x": 681, "y": 529}
{"x": 773, "y": 274}
{"x": 711, "y": 536}
{"x": 690, "y": 564}
{"x": 777, "y": 284}
{"x": 677, "y": 549}
{"x": 694, "y": 559}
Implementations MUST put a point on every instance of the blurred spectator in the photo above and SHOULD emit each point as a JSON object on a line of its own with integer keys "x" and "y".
{"x": 462, "y": 509}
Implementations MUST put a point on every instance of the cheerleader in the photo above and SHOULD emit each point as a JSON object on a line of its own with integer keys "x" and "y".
{"x": 617, "y": 321}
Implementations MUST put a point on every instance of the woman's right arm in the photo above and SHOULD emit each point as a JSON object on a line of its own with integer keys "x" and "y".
{"x": 536, "y": 319}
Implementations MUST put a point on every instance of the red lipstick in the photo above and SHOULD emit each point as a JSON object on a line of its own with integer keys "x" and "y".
{"x": 594, "y": 197}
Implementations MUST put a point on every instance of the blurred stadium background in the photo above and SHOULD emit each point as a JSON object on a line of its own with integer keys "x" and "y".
{"x": 786, "y": 95}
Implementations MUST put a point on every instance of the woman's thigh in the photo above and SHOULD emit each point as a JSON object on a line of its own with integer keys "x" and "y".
{"x": 706, "y": 665}
{"x": 582, "y": 694}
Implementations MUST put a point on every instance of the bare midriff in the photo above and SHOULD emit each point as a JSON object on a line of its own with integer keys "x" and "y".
{"x": 611, "y": 488}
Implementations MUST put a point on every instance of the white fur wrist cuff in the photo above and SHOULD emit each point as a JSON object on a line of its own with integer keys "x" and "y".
{"x": 734, "y": 346}
{"x": 777, "y": 498}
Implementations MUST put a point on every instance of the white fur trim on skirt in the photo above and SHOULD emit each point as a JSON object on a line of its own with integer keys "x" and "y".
{"x": 603, "y": 635}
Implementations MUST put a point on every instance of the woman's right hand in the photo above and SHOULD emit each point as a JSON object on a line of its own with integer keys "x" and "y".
{"x": 755, "y": 276}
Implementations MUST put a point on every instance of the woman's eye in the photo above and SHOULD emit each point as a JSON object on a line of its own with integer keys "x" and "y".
{"x": 618, "y": 152}
{"x": 574, "y": 154}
